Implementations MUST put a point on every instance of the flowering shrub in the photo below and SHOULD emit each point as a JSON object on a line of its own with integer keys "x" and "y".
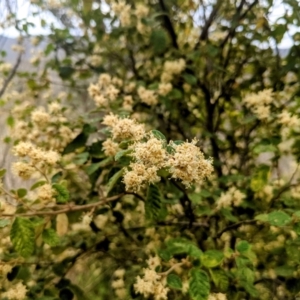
{"x": 166, "y": 164}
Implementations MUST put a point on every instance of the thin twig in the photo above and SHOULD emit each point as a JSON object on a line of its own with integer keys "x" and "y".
{"x": 65, "y": 208}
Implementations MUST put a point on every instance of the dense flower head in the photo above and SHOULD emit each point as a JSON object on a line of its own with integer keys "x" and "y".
{"x": 147, "y": 96}
{"x": 232, "y": 197}
{"x": 151, "y": 152}
{"x": 188, "y": 163}
{"x": 139, "y": 175}
{"x": 36, "y": 154}
{"x": 124, "y": 128}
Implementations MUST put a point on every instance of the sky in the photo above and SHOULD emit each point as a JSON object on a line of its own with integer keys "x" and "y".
{"x": 24, "y": 11}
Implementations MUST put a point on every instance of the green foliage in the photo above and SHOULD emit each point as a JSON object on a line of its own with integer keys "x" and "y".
{"x": 153, "y": 203}
{"x": 22, "y": 236}
{"x": 212, "y": 258}
{"x": 199, "y": 285}
{"x": 275, "y": 218}
{"x": 236, "y": 232}
{"x": 174, "y": 281}
{"x": 50, "y": 237}
{"x": 62, "y": 194}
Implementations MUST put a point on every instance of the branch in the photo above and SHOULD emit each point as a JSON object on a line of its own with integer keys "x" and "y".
{"x": 168, "y": 24}
{"x": 233, "y": 226}
{"x": 208, "y": 23}
{"x": 65, "y": 208}
{"x": 11, "y": 75}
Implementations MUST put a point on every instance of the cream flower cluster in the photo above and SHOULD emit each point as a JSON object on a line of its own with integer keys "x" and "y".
{"x": 147, "y": 96}
{"x": 186, "y": 163}
{"x": 47, "y": 129}
{"x": 172, "y": 68}
{"x": 259, "y": 103}
{"x": 118, "y": 284}
{"x": 123, "y": 11}
{"x": 152, "y": 283}
{"x": 35, "y": 159}
{"x": 286, "y": 119}
{"x": 105, "y": 91}
{"x": 124, "y": 128}
{"x": 217, "y": 296}
{"x": 232, "y": 197}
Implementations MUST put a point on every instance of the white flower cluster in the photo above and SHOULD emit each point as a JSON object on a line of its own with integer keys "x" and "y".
{"x": 286, "y": 119}
{"x": 147, "y": 96}
{"x": 124, "y": 128}
{"x": 152, "y": 283}
{"x": 232, "y": 197}
{"x": 105, "y": 91}
{"x": 172, "y": 68}
{"x": 123, "y": 11}
{"x": 217, "y": 296}
{"x": 47, "y": 128}
{"x": 186, "y": 163}
{"x": 118, "y": 284}
{"x": 259, "y": 102}
{"x": 36, "y": 159}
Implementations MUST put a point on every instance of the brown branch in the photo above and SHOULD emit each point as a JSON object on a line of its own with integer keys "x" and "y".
{"x": 11, "y": 75}
{"x": 64, "y": 208}
{"x": 168, "y": 24}
{"x": 208, "y": 23}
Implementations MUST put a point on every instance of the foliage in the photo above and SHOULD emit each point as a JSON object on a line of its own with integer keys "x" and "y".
{"x": 166, "y": 166}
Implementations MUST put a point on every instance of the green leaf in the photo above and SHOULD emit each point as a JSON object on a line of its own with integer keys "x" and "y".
{"x": 113, "y": 180}
{"x": 243, "y": 246}
{"x": 153, "y": 203}
{"x": 246, "y": 278}
{"x": 199, "y": 286}
{"x": 285, "y": 271}
{"x": 190, "y": 79}
{"x": 50, "y": 237}
{"x": 264, "y": 148}
{"x": 81, "y": 158}
{"x": 275, "y": 218}
{"x": 22, "y": 236}
{"x": 2, "y": 172}
{"x": 260, "y": 178}
{"x": 159, "y": 41}
{"x": 181, "y": 246}
{"x": 212, "y": 258}
{"x": 56, "y": 177}
{"x": 21, "y": 193}
{"x": 158, "y": 135}
{"x": 220, "y": 279}
{"x": 228, "y": 215}
{"x": 262, "y": 217}
{"x": 10, "y": 121}
{"x": 38, "y": 184}
{"x": 78, "y": 142}
{"x": 122, "y": 153}
{"x": 62, "y": 194}
{"x": 4, "y": 223}
{"x": 174, "y": 282}
{"x": 92, "y": 168}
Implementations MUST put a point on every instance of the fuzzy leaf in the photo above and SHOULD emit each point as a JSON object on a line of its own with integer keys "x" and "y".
{"x": 212, "y": 258}
{"x": 199, "y": 286}
{"x": 62, "y": 194}
{"x": 4, "y": 223}
{"x": 174, "y": 282}
{"x": 153, "y": 203}
{"x": 113, "y": 180}
{"x": 220, "y": 279}
{"x": 22, "y": 236}
{"x": 50, "y": 237}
